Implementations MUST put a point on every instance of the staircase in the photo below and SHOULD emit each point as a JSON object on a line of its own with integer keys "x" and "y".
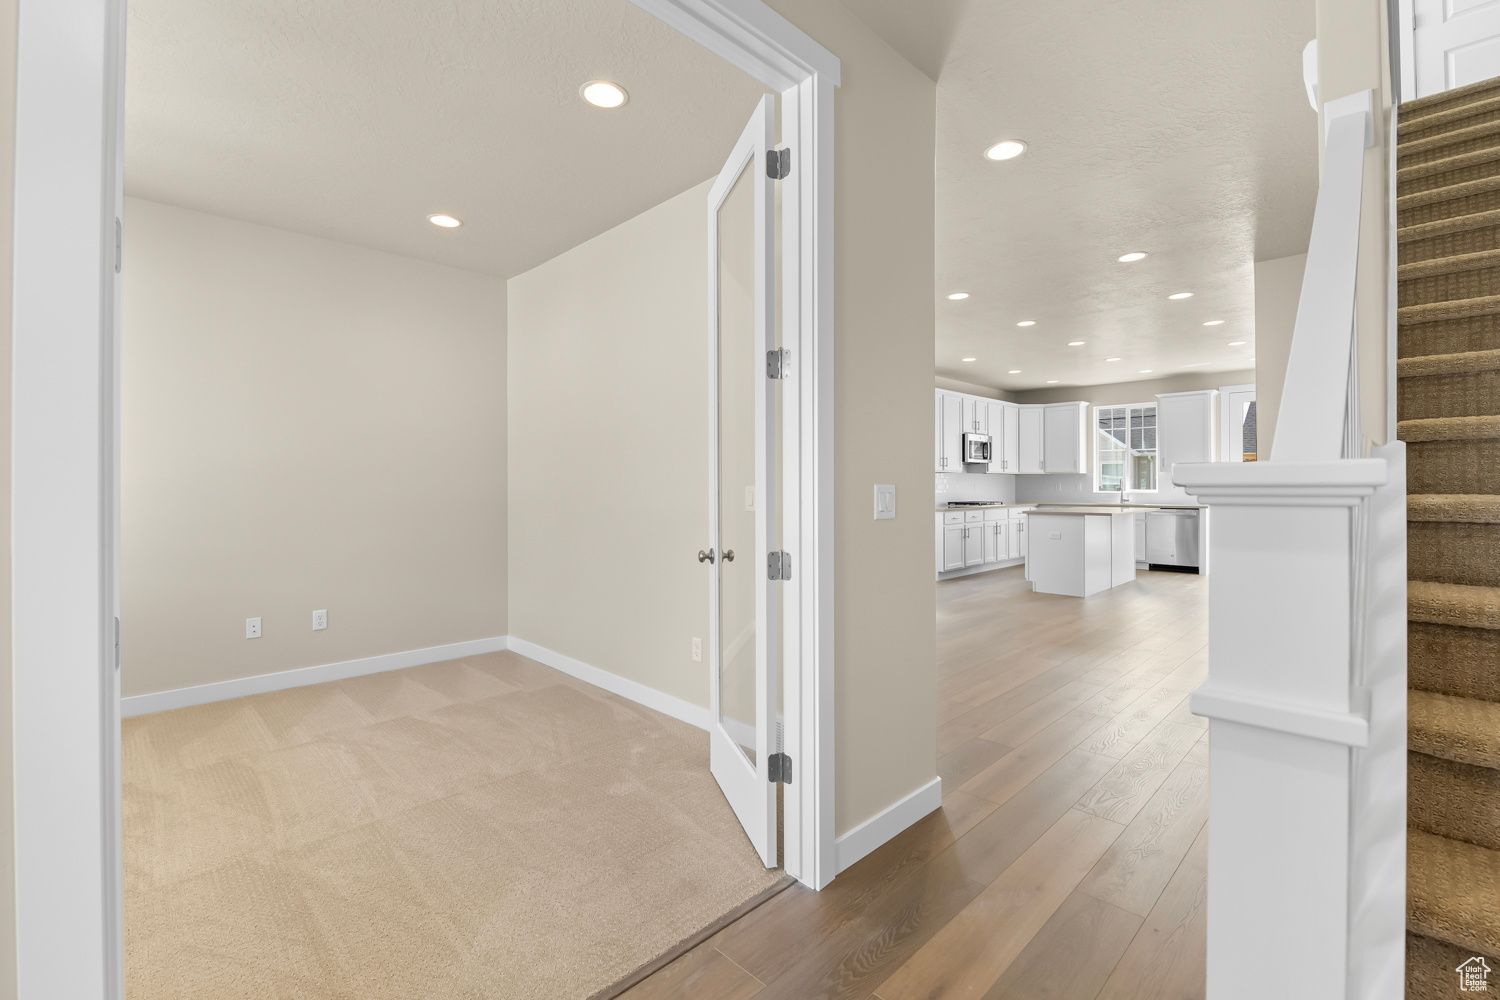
{"x": 1448, "y": 375}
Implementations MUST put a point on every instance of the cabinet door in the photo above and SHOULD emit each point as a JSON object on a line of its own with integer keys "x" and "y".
{"x": 973, "y": 414}
{"x": 991, "y": 551}
{"x": 1013, "y": 537}
{"x": 953, "y": 433}
{"x": 974, "y": 544}
{"x": 953, "y": 546}
{"x": 1010, "y": 437}
{"x": 1063, "y": 438}
{"x": 1140, "y": 537}
{"x": 937, "y": 431}
{"x": 996, "y": 429}
{"x": 1029, "y": 444}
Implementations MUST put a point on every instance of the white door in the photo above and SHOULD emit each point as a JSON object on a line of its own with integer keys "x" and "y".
{"x": 743, "y": 609}
{"x": 1454, "y": 43}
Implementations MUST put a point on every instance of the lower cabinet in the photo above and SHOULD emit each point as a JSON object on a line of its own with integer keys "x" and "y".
{"x": 974, "y": 544}
{"x": 1015, "y": 535}
{"x": 953, "y": 546}
{"x": 968, "y": 543}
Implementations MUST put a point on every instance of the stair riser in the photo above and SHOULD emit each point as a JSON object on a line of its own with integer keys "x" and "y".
{"x": 1409, "y": 155}
{"x": 1449, "y": 336}
{"x": 1430, "y": 966}
{"x": 1453, "y": 660}
{"x": 1449, "y": 245}
{"x": 1444, "y": 552}
{"x": 1453, "y": 800}
{"x": 1481, "y": 201}
{"x": 1445, "y": 287}
{"x": 1473, "y": 394}
{"x": 1418, "y": 128}
{"x": 1457, "y": 175}
{"x": 1453, "y": 466}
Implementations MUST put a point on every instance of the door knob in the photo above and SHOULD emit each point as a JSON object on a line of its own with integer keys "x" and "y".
{"x": 728, "y": 555}
{"x": 707, "y": 557}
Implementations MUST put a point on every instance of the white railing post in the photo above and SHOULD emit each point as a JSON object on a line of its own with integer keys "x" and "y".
{"x": 1284, "y": 715}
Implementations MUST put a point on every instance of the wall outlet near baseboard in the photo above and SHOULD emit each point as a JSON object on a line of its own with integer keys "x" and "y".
{"x": 697, "y": 650}
{"x": 320, "y": 620}
{"x": 252, "y": 628}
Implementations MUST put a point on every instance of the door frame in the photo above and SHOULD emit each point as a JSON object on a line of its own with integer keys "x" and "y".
{"x": 65, "y": 340}
{"x": 1226, "y": 420}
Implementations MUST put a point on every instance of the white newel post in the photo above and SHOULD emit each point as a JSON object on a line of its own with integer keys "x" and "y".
{"x": 1286, "y": 716}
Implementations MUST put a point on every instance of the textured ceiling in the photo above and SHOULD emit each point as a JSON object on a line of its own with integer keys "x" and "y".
{"x": 1177, "y": 127}
{"x": 356, "y": 119}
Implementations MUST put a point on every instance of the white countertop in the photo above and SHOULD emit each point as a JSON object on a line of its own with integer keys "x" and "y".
{"x": 1098, "y": 510}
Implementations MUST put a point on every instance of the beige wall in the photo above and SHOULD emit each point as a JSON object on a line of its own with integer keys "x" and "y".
{"x": 1278, "y": 284}
{"x": 607, "y": 345}
{"x": 306, "y": 425}
{"x": 972, "y": 388}
{"x": 7, "y": 190}
{"x": 608, "y": 459}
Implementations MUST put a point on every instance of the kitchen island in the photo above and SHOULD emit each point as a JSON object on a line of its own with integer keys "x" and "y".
{"x": 1078, "y": 551}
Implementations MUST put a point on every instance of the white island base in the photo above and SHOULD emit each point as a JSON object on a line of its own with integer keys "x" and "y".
{"x": 1078, "y": 551}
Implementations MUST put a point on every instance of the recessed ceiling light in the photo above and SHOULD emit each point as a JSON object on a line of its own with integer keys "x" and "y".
{"x": 603, "y": 94}
{"x": 958, "y": 295}
{"x": 1052, "y": 381}
{"x": 971, "y": 359}
{"x": 1236, "y": 343}
{"x": 445, "y": 221}
{"x": 1016, "y": 372}
{"x": 1027, "y": 322}
{"x": 1005, "y": 149}
{"x": 1075, "y": 343}
{"x": 1144, "y": 371}
{"x": 1180, "y": 295}
{"x": 1134, "y": 255}
{"x": 1111, "y": 359}
{"x": 1214, "y": 322}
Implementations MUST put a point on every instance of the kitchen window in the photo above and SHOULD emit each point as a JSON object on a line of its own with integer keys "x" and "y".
{"x": 1125, "y": 448}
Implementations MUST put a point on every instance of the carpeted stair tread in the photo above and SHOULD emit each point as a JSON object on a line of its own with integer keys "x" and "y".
{"x": 1436, "y": 312}
{"x": 1447, "y": 227}
{"x": 1411, "y": 149}
{"x": 1449, "y": 192}
{"x": 1448, "y": 164}
{"x": 1449, "y": 429}
{"x": 1463, "y": 729}
{"x": 1453, "y": 799}
{"x": 1453, "y": 117}
{"x": 1457, "y": 264}
{"x": 1420, "y": 107}
{"x": 1467, "y": 508}
{"x": 1464, "y": 363}
{"x": 1453, "y": 891}
{"x": 1453, "y": 604}
{"x": 1432, "y": 967}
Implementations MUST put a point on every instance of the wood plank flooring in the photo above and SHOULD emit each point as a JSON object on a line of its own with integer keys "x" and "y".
{"x": 1068, "y": 861}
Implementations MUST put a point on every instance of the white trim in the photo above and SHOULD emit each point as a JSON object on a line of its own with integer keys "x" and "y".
{"x": 751, "y": 36}
{"x": 685, "y": 711}
{"x": 240, "y": 687}
{"x": 1406, "y": 49}
{"x": 954, "y": 574}
{"x": 887, "y": 823}
{"x": 1345, "y": 728}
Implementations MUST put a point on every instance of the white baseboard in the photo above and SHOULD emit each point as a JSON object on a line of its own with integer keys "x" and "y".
{"x": 954, "y": 574}
{"x": 886, "y": 824}
{"x": 239, "y": 687}
{"x": 695, "y": 715}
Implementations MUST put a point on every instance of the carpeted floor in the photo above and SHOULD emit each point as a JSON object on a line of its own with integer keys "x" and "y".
{"x": 480, "y": 829}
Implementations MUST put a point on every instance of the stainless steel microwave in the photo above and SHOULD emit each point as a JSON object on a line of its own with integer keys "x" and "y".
{"x": 976, "y": 449}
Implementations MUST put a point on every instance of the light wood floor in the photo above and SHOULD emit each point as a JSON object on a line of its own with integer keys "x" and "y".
{"x": 1068, "y": 860}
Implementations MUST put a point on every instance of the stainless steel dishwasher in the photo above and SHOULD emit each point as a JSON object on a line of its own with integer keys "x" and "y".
{"x": 1172, "y": 539}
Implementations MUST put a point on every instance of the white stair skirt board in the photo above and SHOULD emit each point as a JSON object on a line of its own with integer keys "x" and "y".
{"x": 694, "y": 715}
{"x": 239, "y": 687}
{"x": 884, "y": 825}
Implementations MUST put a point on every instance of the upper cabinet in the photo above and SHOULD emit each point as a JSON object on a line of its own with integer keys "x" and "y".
{"x": 1064, "y": 437}
{"x": 1005, "y": 436}
{"x": 1025, "y": 439}
{"x": 950, "y": 427}
{"x": 1029, "y": 440}
{"x": 1187, "y": 432}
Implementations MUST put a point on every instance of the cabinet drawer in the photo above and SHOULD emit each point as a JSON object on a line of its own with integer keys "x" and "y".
{"x": 1019, "y": 512}
{"x": 995, "y": 514}
{"x": 971, "y": 516}
{"x": 953, "y": 517}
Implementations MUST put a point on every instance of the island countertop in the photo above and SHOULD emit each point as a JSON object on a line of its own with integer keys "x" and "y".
{"x": 1100, "y": 510}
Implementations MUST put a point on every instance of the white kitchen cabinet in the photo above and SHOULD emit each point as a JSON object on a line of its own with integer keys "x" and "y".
{"x": 995, "y": 543}
{"x": 974, "y": 544}
{"x": 976, "y": 418}
{"x": 1064, "y": 437}
{"x": 1005, "y": 435}
{"x": 1013, "y": 535}
{"x": 950, "y": 432}
{"x": 1186, "y": 430}
{"x": 1140, "y": 539}
{"x": 1029, "y": 440}
{"x": 953, "y": 546}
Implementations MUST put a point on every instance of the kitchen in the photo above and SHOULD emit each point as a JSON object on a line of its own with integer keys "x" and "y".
{"x": 1022, "y": 485}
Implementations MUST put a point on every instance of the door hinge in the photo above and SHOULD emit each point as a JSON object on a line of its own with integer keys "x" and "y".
{"x": 779, "y": 768}
{"x": 778, "y": 362}
{"x": 778, "y": 163}
{"x": 119, "y": 244}
{"x": 778, "y": 565}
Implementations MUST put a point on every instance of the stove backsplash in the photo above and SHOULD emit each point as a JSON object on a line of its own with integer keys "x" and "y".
{"x": 968, "y": 486}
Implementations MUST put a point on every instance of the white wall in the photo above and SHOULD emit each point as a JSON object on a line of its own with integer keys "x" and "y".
{"x": 307, "y": 425}
{"x": 1278, "y": 284}
{"x": 1080, "y": 488}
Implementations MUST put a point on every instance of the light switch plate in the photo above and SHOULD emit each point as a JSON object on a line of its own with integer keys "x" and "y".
{"x": 885, "y": 502}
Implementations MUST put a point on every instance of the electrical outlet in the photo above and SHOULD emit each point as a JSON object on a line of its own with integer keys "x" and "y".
{"x": 320, "y": 620}
{"x": 252, "y": 628}
{"x": 697, "y": 650}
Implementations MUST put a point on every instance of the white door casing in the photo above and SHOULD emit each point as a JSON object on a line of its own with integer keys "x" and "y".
{"x": 739, "y": 580}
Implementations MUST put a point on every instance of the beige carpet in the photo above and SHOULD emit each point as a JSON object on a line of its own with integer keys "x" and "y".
{"x": 483, "y": 828}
